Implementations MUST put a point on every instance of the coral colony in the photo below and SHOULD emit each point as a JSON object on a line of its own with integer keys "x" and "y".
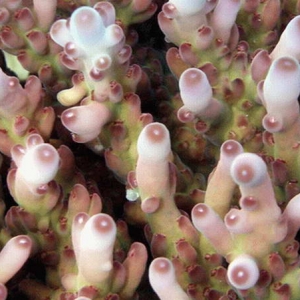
{"x": 149, "y": 149}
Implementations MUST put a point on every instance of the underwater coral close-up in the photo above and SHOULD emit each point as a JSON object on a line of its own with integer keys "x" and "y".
{"x": 149, "y": 149}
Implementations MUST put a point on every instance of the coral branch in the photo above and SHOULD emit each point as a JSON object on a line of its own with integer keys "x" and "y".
{"x": 197, "y": 96}
{"x": 86, "y": 121}
{"x": 94, "y": 247}
{"x": 12, "y": 257}
{"x": 204, "y": 218}
{"x": 163, "y": 280}
{"x": 281, "y": 101}
{"x": 152, "y": 170}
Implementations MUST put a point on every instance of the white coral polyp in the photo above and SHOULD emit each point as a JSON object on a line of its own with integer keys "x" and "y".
{"x": 197, "y": 96}
{"x": 13, "y": 256}
{"x": 243, "y": 272}
{"x": 60, "y": 33}
{"x": 86, "y": 121}
{"x": 281, "y": 99}
{"x": 152, "y": 168}
{"x": 37, "y": 164}
{"x": 154, "y": 142}
{"x": 163, "y": 280}
{"x": 248, "y": 169}
{"x": 89, "y": 37}
{"x": 93, "y": 242}
{"x": 87, "y": 28}
{"x": 12, "y": 95}
{"x": 40, "y": 164}
{"x": 93, "y": 44}
{"x": 195, "y": 90}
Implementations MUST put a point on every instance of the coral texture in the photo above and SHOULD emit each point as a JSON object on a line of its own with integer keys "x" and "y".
{"x": 149, "y": 149}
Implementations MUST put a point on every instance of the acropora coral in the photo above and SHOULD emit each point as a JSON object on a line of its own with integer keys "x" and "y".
{"x": 149, "y": 149}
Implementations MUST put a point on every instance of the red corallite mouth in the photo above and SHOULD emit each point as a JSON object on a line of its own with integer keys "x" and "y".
{"x": 243, "y": 272}
{"x": 248, "y": 169}
{"x": 103, "y": 223}
{"x": 200, "y": 211}
{"x": 162, "y": 265}
{"x": 156, "y": 133}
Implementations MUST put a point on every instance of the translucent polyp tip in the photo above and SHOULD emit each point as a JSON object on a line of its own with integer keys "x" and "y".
{"x": 86, "y": 26}
{"x": 22, "y": 241}
{"x": 150, "y": 205}
{"x": 40, "y": 164}
{"x": 188, "y": 7}
{"x": 99, "y": 232}
{"x": 243, "y": 272}
{"x": 195, "y": 90}
{"x": 203, "y": 217}
{"x": 103, "y": 62}
{"x": 282, "y": 84}
{"x": 232, "y": 218}
{"x": 33, "y": 140}
{"x": 85, "y": 119}
{"x": 107, "y": 11}
{"x": 154, "y": 142}
{"x": 162, "y": 266}
{"x": 59, "y": 32}
{"x": 80, "y": 219}
{"x": 104, "y": 224}
{"x": 229, "y": 150}
{"x": 249, "y": 203}
{"x": 201, "y": 211}
{"x": 236, "y": 222}
{"x": 248, "y": 169}
{"x": 273, "y": 123}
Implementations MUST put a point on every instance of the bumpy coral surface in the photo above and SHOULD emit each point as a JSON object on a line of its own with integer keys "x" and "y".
{"x": 149, "y": 149}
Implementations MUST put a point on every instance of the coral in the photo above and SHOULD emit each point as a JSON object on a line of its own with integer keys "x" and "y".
{"x": 23, "y": 111}
{"x": 149, "y": 149}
